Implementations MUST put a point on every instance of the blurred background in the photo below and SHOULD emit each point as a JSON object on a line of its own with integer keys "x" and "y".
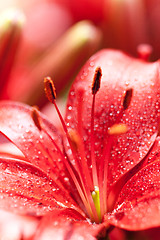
{"x": 55, "y": 37}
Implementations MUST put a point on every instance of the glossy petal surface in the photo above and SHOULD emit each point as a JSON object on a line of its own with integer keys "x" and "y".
{"x": 28, "y": 190}
{"x": 154, "y": 153}
{"x": 17, "y": 125}
{"x": 119, "y": 73}
{"x": 138, "y": 206}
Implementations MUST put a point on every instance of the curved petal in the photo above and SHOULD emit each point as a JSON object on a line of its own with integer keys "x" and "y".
{"x": 67, "y": 225}
{"x": 25, "y": 189}
{"x": 119, "y": 73}
{"x": 17, "y": 227}
{"x": 154, "y": 153}
{"x": 17, "y": 125}
{"x": 138, "y": 206}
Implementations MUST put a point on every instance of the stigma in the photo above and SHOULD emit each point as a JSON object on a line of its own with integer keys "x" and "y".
{"x": 96, "y": 200}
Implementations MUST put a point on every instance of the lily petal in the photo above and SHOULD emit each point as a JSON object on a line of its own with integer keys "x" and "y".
{"x": 17, "y": 125}
{"x": 25, "y": 189}
{"x": 154, "y": 153}
{"x": 67, "y": 224}
{"x": 138, "y": 206}
{"x": 120, "y": 72}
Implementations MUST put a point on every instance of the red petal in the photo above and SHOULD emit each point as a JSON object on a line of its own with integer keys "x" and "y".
{"x": 17, "y": 124}
{"x": 69, "y": 225}
{"x": 119, "y": 73}
{"x": 154, "y": 153}
{"x": 26, "y": 189}
{"x": 152, "y": 156}
{"x": 138, "y": 206}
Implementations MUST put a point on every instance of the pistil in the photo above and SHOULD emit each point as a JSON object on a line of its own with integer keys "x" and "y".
{"x": 96, "y": 200}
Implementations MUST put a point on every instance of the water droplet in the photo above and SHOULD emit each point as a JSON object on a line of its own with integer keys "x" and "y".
{"x": 91, "y": 64}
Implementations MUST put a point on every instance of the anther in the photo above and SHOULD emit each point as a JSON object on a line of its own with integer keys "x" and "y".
{"x": 118, "y": 129}
{"x": 96, "y": 80}
{"x": 127, "y": 98}
{"x": 50, "y": 90}
{"x": 75, "y": 139}
{"x": 35, "y": 117}
{"x": 95, "y": 87}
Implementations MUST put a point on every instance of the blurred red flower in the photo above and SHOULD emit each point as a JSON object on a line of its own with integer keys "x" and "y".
{"x": 125, "y": 24}
{"x": 42, "y": 40}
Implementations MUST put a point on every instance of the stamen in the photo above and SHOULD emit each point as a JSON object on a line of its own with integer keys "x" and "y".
{"x": 95, "y": 88}
{"x": 37, "y": 121}
{"x": 114, "y": 130}
{"x": 71, "y": 171}
{"x": 118, "y": 129}
{"x": 70, "y": 168}
{"x": 85, "y": 181}
{"x": 85, "y": 170}
{"x": 127, "y": 98}
{"x": 50, "y": 89}
{"x": 45, "y": 151}
{"x": 81, "y": 145}
{"x": 81, "y": 163}
{"x": 96, "y": 80}
{"x": 86, "y": 196}
{"x": 35, "y": 117}
{"x": 103, "y": 174}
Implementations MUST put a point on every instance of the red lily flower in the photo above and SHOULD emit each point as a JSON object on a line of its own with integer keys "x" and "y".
{"x": 103, "y": 171}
